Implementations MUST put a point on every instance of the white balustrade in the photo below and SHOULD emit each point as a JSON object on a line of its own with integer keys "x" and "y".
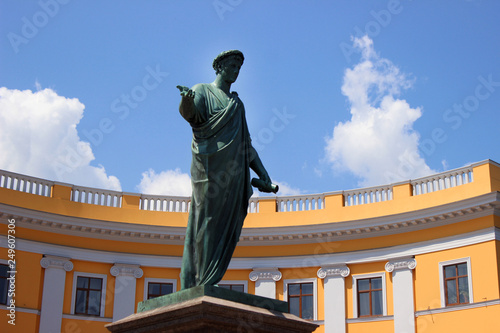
{"x": 96, "y": 196}
{"x": 442, "y": 180}
{"x": 297, "y": 203}
{"x": 164, "y": 203}
{"x": 253, "y": 205}
{"x": 367, "y": 195}
{"x": 25, "y": 184}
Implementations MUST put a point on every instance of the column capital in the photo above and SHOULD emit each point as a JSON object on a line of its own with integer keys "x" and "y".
{"x": 333, "y": 270}
{"x": 401, "y": 263}
{"x": 265, "y": 274}
{"x": 126, "y": 270}
{"x": 49, "y": 261}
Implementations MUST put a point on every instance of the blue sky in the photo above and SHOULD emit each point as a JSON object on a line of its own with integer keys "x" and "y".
{"x": 338, "y": 94}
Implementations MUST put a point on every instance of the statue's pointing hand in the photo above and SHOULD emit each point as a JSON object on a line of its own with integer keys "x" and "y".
{"x": 186, "y": 92}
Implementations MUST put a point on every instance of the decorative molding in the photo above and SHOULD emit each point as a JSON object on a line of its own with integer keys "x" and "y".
{"x": 403, "y": 263}
{"x": 126, "y": 270}
{"x": 329, "y": 259}
{"x": 457, "y": 307}
{"x": 87, "y": 318}
{"x": 265, "y": 274}
{"x": 368, "y": 319}
{"x": 337, "y": 270}
{"x": 56, "y": 262}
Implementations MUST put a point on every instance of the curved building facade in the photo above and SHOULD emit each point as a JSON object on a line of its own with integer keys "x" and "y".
{"x": 415, "y": 256}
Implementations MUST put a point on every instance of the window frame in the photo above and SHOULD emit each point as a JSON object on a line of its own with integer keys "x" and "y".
{"x": 442, "y": 287}
{"x": 104, "y": 278}
{"x": 315, "y": 292}
{"x": 243, "y": 282}
{"x": 355, "y": 279}
{"x": 155, "y": 280}
{"x": 6, "y": 263}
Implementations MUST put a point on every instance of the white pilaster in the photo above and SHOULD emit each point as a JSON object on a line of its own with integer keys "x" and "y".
{"x": 265, "y": 281}
{"x": 53, "y": 292}
{"x": 402, "y": 282}
{"x": 125, "y": 283}
{"x": 334, "y": 285}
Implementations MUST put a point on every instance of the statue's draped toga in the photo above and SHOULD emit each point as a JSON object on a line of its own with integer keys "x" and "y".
{"x": 220, "y": 177}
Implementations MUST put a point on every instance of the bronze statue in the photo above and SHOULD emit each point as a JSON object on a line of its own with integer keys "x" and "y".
{"x": 220, "y": 173}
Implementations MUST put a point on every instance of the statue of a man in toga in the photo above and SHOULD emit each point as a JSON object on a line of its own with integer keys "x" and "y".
{"x": 220, "y": 172}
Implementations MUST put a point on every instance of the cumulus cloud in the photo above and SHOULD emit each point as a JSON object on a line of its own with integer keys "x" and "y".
{"x": 38, "y": 137}
{"x": 378, "y": 144}
{"x": 284, "y": 190}
{"x": 169, "y": 182}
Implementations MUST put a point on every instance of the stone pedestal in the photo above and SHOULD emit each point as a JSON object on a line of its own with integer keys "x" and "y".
{"x": 208, "y": 309}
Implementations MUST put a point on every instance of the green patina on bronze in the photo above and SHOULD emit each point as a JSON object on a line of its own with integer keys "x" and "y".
{"x": 222, "y": 156}
{"x": 213, "y": 291}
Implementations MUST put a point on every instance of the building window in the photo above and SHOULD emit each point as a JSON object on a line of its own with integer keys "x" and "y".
{"x": 4, "y": 283}
{"x": 370, "y": 297}
{"x": 156, "y": 289}
{"x": 235, "y": 287}
{"x": 300, "y": 299}
{"x": 301, "y": 296}
{"x": 88, "y": 295}
{"x": 456, "y": 284}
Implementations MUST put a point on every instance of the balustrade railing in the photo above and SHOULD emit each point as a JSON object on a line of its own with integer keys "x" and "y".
{"x": 437, "y": 182}
{"x": 442, "y": 180}
{"x": 164, "y": 203}
{"x": 25, "y": 184}
{"x": 253, "y": 205}
{"x": 96, "y": 196}
{"x": 297, "y": 203}
{"x": 367, "y": 195}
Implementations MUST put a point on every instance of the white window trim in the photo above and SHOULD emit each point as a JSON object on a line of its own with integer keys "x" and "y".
{"x": 155, "y": 280}
{"x": 315, "y": 292}
{"x": 441, "y": 278}
{"x": 6, "y": 262}
{"x": 243, "y": 282}
{"x": 104, "y": 278}
{"x": 355, "y": 279}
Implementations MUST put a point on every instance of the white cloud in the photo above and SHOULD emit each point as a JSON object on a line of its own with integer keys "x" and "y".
{"x": 378, "y": 144}
{"x": 284, "y": 190}
{"x": 38, "y": 137}
{"x": 169, "y": 182}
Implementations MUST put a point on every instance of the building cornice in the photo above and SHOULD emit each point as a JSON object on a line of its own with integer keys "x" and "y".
{"x": 482, "y": 205}
{"x": 269, "y": 263}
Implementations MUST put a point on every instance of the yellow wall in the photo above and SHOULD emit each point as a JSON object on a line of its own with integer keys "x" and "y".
{"x": 484, "y": 271}
{"x": 484, "y": 319}
{"x": 385, "y": 326}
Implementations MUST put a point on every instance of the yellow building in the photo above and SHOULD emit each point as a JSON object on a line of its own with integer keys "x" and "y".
{"x": 415, "y": 256}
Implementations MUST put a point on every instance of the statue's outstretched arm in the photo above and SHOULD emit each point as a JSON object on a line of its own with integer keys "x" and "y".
{"x": 187, "y": 107}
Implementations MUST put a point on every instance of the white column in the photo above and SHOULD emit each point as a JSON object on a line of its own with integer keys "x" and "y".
{"x": 125, "y": 282}
{"x": 402, "y": 284}
{"x": 334, "y": 285}
{"x": 53, "y": 292}
{"x": 265, "y": 281}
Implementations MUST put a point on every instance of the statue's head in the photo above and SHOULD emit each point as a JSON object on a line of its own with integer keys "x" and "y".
{"x": 219, "y": 60}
